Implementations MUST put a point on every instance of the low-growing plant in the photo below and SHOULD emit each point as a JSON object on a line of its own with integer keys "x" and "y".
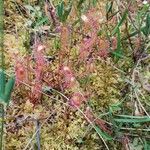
{"x": 80, "y": 76}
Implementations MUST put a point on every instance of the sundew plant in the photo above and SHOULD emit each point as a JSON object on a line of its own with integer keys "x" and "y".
{"x": 74, "y": 75}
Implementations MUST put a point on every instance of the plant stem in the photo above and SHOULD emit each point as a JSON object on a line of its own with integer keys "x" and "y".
{"x": 37, "y": 123}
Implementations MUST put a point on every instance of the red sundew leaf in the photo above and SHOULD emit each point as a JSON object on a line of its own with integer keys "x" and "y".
{"x": 103, "y": 53}
{"x": 113, "y": 20}
{"x": 102, "y": 125}
{"x": 69, "y": 81}
{"x": 89, "y": 114}
{"x": 103, "y": 48}
{"x": 91, "y": 19}
{"x": 64, "y": 43}
{"x": 90, "y": 67}
{"x": 39, "y": 55}
{"x": 103, "y": 44}
{"x": 20, "y": 72}
{"x": 50, "y": 12}
{"x": 87, "y": 45}
{"x": 38, "y": 72}
{"x": 40, "y": 61}
{"x": 89, "y": 42}
{"x": 65, "y": 70}
{"x": 36, "y": 93}
{"x": 125, "y": 142}
{"x": 68, "y": 77}
{"x": 76, "y": 99}
{"x": 83, "y": 54}
{"x": 114, "y": 43}
{"x": 91, "y": 24}
{"x": 64, "y": 38}
{"x": 99, "y": 122}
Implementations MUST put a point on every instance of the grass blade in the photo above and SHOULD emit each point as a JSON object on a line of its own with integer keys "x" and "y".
{"x": 103, "y": 134}
{"x": 120, "y": 22}
{"x": 2, "y": 81}
{"x": 8, "y": 89}
{"x": 132, "y": 117}
{"x": 132, "y": 120}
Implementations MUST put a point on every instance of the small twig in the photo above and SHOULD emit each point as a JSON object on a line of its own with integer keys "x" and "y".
{"x": 134, "y": 129}
{"x": 136, "y": 135}
{"x": 26, "y": 147}
{"x": 143, "y": 97}
{"x": 37, "y": 124}
{"x": 140, "y": 103}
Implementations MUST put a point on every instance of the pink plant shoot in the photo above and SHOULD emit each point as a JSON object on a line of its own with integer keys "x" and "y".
{"x": 68, "y": 76}
{"x": 103, "y": 48}
{"x": 92, "y": 25}
{"x": 36, "y": 92}
{"x": 40, "y": 64}
{"x": 77, "y": 99}
{"x": 114, "y": 43}
{"x": 99, "y": 122}
{"x": 20, "y": 70}
{"x": 39, "y": 60}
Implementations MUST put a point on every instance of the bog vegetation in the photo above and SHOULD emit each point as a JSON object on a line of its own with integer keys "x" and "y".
{"x": 75, "y": 75}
